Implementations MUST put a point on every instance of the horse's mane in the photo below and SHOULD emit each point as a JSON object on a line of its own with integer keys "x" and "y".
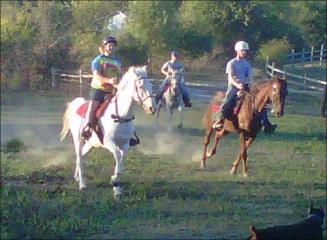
{"x": 257, "y": 85}
{"x": 137, "y": 70}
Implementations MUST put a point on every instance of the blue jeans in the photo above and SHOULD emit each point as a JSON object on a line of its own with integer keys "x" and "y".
{"x": 227, "y": 103}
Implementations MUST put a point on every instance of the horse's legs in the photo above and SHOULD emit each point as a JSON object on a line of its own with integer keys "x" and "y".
{"x": 248, "y": 142}
{"x": 81, "y": 149}
{"x": 244, "y": 145}
{"x": 218, "y": 136}
{"x": 170, "y": 118}
{"x": 156, "y": 120}
{"x": 181, "y": 115}
{"x": 206, "y": 142}
{"x": 241, "y": 154}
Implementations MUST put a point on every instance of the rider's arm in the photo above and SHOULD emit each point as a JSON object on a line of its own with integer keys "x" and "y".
{"x": 233, "y": 80}
{"x": 164, "y": 69}
{"x": 113, "y": 81}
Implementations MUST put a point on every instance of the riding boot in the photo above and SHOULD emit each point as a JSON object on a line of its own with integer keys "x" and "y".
{"x": 218, "y": 121}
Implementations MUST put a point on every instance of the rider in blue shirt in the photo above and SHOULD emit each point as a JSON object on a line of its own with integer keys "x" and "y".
{"x": 167, "y": 68}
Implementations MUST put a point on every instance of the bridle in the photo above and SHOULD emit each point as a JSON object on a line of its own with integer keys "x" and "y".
{"x": 119, "y": 119}
{"x": 137, "y": 89}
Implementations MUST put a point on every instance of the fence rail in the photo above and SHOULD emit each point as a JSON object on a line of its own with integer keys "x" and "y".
{"x": 79, "y": 77}
{"x": 307, "y": 56}
{"x": 302, "y": 81}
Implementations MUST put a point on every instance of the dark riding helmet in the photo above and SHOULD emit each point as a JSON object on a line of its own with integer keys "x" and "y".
{"x": 109, "y": 39}
{"x": 175, "y": 53}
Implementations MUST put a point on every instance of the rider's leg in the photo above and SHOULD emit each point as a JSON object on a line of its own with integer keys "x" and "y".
{"x": 185, "y": 96}
{"x": 161, "y": 90}
{"x": 89, "y": 119}
{"x": 219, "y": 117}
{"x": 268, "y": 127}
{"x": 96, "y": 98}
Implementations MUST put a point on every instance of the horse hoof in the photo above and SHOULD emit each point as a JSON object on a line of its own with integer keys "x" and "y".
{"x": 245, "y": 175}
{"x": 82, "y": 186}
{"x": 180, "y": 125}
{"x": 117, "y": 191}
{"x": 233, "y": 172}
{"x": 76, "y": 178}
{"x": 203, "y": 166}
{"x": 114, "y": 178}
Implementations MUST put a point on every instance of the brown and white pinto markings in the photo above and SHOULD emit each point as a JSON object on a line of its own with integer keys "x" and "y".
{"x": 248, "y": 122}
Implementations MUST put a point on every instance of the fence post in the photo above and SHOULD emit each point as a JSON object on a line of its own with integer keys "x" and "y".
{"x": 293, "y": 55}
{"x": 53, "y": 77}
{"x": 311, "y": 55}
{"x": 302, "y": 57}
{"x": 321, "y": 54}
{"x": 266, "y": 65}
{"x": 81, "y": 83}
{"x": 272, "y": 70}
{"x": 305, "y": 81}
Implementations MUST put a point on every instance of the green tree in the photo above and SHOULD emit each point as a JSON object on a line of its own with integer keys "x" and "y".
{"x": 311, "y": 21}
{"x": 154, "y": 23}
{"x": 89, "y": 26}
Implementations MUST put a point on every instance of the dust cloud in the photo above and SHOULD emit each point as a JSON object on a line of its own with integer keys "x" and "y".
{"x": 36, "y": 122}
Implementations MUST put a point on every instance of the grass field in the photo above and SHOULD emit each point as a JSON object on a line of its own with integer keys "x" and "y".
{"x": 166, "y": 194}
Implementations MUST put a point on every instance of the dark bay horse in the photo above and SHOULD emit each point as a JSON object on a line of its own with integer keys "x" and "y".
{"x": 248, "y": 121}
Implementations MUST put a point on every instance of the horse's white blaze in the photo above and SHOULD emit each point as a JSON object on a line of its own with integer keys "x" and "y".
{"x": 134, "y": 87}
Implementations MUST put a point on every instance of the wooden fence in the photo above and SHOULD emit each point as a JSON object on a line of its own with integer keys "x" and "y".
{"x": 78, "y": 77}
{"x": 307, "y": 56}
{"x": 303, "y": 82}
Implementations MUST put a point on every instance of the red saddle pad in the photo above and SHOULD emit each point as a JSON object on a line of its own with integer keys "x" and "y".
{"x": 82, "y": 109}
{"x": 215, "y": 107}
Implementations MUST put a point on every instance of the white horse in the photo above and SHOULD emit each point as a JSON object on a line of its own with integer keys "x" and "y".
{"x": 116, "y": 123}
{"x": 172, "y": 99}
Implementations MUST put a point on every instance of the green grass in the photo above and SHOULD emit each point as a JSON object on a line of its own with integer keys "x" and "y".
{"x": 166, "y": 194}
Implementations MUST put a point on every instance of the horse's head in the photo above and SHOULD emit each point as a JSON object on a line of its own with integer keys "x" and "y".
{"x": 277, "y": 95}
{"x": 175, "y": 80}
{"x": 143, "y": 89}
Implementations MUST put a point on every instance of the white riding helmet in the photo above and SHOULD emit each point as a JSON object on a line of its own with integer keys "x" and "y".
{"x": 241, "y": 45}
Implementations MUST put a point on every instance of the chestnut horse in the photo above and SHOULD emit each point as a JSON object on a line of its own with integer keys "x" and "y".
{"x": 248, "y": 122}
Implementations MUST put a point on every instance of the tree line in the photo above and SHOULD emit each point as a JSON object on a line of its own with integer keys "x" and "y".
{"x": 38, "y": 35}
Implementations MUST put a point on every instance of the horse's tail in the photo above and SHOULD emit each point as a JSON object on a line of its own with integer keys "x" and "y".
{"x": 65, "y": 119}
{"x": 207, "y": 117}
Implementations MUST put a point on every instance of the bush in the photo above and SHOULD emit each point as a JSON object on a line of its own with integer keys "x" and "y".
{"x": 276, "y": 50}
{"x": 13, "y": 146}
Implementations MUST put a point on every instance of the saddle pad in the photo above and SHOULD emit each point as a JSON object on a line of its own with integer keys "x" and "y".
{"x": 215, "y": 107}
{"x": 83, "y": 108}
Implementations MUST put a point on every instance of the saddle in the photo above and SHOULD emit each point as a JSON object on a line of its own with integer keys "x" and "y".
{"x": 236, "y": 106}
{"x": 98, "y": 114}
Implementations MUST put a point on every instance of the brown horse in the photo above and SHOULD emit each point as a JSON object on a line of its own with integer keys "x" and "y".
{"x": 248, "y": 121}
